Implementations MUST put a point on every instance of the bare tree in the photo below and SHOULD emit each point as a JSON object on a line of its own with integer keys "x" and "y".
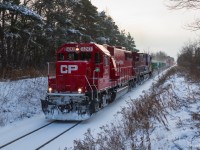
{"x": 187, "y": 4}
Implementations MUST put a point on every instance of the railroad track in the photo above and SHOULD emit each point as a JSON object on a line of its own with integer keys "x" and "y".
{"x": 49, "y": 141}
{"x": 20, "y": 140}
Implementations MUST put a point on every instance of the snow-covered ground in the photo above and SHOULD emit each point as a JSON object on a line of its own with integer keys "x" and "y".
{"x": 21, "y": 99}
{"x": 181, "y": 132}
{"x": 20, "y": 127}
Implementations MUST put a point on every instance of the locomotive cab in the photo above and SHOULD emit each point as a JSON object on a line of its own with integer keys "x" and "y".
{"x": 87, "y": 64}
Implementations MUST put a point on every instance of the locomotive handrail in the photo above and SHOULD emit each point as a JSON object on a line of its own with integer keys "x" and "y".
{"x": 89, "y": 85}
{"x": 126, "y": 67}
{"x": 48, "y": 68}
{"x": 65, "y": 94}
{"x": 94, "y": 83}
{"x": 49, "y": 65}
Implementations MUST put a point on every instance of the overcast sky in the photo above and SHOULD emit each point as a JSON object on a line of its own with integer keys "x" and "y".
{"x": 153, "y": 26}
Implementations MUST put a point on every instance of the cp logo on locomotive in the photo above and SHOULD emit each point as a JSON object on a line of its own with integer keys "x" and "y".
{"x": 68, "y": 68}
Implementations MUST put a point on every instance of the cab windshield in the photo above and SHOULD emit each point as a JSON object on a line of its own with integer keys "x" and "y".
{"x": 73, "y": 56}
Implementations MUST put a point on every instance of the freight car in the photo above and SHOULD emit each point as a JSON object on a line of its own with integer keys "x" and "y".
{"x": 90, "y": 76}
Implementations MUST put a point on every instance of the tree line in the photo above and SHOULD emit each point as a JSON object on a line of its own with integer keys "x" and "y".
{"x": 189, "y": 58}
{"x": 189, "y": 55}
{"x": 32, "y": 30}
{"x": 160, "y": 56}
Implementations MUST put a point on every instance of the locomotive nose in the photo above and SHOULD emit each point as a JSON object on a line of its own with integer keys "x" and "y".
{"x": 71, "y": 77}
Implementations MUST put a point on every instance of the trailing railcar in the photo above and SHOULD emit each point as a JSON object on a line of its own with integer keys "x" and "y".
{"x": 88, "y": 77}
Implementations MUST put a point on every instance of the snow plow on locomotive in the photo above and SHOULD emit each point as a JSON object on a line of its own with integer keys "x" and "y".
{"x": 90, "y": 76}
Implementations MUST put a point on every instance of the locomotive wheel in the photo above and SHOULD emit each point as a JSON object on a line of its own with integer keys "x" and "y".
{"x": 100, "y": 101}
{"x": 150, "y": 74}
{"x": 131, "y": 85}
{"x": 112, "y": 98}
{"x": 134, "y": 84}
{"x": 92, "y": 107}
{"x": 141, "y": 79}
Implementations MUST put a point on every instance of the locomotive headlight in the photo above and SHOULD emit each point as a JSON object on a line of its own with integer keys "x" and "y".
{"x": 77, "y": 49}
{"x": 50, "y": 89}
{"x": 79, "y": 90}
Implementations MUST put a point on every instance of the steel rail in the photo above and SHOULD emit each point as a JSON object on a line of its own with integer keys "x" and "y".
{"x": 25, "y": 135}
{"x": 46, "y": 143}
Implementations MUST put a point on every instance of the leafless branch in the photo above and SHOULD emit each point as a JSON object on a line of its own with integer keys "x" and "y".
{"x": 187, "y": 4}
{"x": 195, "y": 26}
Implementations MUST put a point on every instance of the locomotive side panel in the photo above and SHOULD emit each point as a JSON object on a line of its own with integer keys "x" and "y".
{"x": 122, "y": 69}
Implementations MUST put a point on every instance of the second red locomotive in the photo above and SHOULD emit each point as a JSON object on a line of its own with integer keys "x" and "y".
{"x": 89, "y": 76}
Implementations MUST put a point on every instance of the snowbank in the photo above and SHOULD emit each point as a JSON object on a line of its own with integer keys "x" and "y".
{"x": 165, "y": 117}
{"x": 21, "y": 99}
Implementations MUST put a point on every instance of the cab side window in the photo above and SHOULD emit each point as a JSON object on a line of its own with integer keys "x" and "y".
{"x": 98, "y": 58}
{"x": 106, "y": 60}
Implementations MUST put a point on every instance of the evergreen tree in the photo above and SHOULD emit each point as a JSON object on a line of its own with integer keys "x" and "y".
{"x": 18, "y": 24}
{"x": 30, "y": 37}
{"x": 85, "y": 21}
{"x": 130, "y": 42}
{"x": 108, "y": 30}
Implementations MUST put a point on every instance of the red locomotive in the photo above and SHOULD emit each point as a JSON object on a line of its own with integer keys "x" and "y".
{"x": 88, "y": 77}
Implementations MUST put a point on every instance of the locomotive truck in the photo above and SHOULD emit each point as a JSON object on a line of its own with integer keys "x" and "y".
{"x": 87, "y": 76}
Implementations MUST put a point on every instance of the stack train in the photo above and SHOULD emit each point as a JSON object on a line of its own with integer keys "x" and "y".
{"x": 86, "y": 77}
